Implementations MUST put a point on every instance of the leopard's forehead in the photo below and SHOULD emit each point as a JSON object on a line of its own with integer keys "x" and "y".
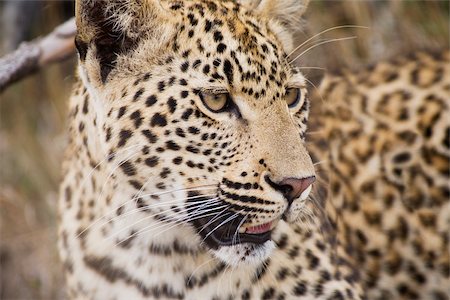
{"x": 226, "y": 24}
{"x": 219, "y": 44}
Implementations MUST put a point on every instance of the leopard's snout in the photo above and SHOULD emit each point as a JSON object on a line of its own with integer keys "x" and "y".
{"x": 291, "y": 187}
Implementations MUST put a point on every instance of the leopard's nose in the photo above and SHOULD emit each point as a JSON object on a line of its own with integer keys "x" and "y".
{"x": 291, "y": 187}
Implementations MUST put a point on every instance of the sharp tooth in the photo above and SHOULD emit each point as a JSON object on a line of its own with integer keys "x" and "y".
{"x": 241, "y": 230}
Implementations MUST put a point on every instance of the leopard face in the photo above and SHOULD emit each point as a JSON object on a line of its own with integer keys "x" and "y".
{"x": 201, "y": 118}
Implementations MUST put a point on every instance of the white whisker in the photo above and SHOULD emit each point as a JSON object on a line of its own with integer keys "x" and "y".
{"x": 232, "y": 217}
{"x": 197, "y": 188}
{"x": 316, "y": 88}
{"x": 211, "y": 201}
{"x": 210, "y": 221}
{"x": 325, "y": 31}
{"x": 220, "y": 280}
{"x": 174, "y": 224}
{"x": 157, "y": 205}
{"x": 183, "y": 222}
{"x": 107, "y": 158}
{"x": 321, "y": 43}
{"x": 314, "y": 68}
{"x": 198, "y": 268}
{"x": 314, "y": 132}
{"x": 238, "y": 227}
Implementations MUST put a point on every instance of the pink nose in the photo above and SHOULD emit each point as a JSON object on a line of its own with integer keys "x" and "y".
{"x": 291, "y": 187}
{"x": 297, "y": 186}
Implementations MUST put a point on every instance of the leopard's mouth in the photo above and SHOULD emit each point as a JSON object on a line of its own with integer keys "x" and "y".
{"x": 225, "y": 228}
{"x": 222, "y": 237}
{"x": 216, "y": 235}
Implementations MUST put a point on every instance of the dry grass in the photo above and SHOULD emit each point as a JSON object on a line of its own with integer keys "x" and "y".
{"x": 32, "y": 125}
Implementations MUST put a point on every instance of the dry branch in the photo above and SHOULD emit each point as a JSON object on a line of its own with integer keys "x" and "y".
{"x": 31, "y": 56}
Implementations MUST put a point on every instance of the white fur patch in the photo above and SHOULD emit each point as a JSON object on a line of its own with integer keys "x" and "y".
{"x": 247, "y": 254}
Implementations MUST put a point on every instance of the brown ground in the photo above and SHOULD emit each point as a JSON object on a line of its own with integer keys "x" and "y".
{"x": 32, "y": 124}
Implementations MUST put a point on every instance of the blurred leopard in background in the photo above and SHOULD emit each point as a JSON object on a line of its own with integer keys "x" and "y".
{"x": 384, "y": 139}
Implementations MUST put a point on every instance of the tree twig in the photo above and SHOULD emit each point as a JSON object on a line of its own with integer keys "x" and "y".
{"x": 31, "y": 56}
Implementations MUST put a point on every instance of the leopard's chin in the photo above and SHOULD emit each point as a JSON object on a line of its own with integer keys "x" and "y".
{"x": 237, "y": 247}
{"x": 250, "y": 254}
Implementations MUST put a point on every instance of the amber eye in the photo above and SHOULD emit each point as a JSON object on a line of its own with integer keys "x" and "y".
{"x": 215, "y": 102}
{"x": 292, "y": 97}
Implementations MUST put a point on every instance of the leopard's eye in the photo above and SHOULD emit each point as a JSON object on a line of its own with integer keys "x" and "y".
{"x": 293, "y": 97}
{"x": 215, "y": 102}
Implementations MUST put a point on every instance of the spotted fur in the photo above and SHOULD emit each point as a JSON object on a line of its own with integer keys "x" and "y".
{"x": 147, "y": 161}
{"x": 384, "y": 141}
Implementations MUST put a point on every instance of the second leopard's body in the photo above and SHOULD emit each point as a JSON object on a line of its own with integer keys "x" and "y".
{"x": 385, "y": 145}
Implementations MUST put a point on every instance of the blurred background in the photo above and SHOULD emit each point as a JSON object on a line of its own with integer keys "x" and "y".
{"x": 33, "y": 115}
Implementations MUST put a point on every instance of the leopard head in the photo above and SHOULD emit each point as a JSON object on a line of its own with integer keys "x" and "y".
{"x": 201, "y": 116}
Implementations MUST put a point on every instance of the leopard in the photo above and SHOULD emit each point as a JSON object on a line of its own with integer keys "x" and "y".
{"x": 190, "y": 174}
{"x": 383, "y": 134}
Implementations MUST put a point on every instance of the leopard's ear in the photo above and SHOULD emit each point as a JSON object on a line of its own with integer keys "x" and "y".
{"x": 107, "y": 29}
{"x": 285, "y": 16}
